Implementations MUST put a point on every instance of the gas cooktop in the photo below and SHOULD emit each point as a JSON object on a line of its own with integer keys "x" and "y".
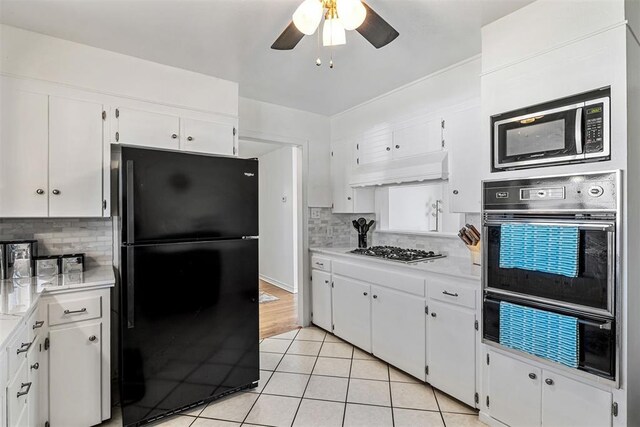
{"x": 394, "y": 253}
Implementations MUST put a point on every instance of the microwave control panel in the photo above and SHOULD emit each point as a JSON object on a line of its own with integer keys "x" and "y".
{"x": 594, "y": 128}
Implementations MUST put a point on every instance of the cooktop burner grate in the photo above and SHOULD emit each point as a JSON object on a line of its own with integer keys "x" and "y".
{"x": 394, "y": 253}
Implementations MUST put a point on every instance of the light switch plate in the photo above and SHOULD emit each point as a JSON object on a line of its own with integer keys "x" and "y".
{"x": 315, "y": 213}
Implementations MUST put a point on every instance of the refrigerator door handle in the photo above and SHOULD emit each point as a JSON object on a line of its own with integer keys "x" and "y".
{"x": 130, "y": 201}
{"x": 130, "y": 289}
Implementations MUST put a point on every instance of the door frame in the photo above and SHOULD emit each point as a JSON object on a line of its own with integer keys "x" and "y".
{"x": 302, "y": 252}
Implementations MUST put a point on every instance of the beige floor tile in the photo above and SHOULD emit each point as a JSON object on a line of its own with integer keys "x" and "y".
{"x": 317, "y": 413}
{"x": 332, "y": 338}
{"x": 177, "y": 421}
{"x": 361, "y": 354}
{"x": 402, "y": 377}
{"x": 449, "y": 404}
{"x": 296, "y": 364}
{"x": 287, "y": 335}
{"x": 305, "y": 348}
{"x": 269, "y": 361}
{"x": 332, "y": 366}
{"x": 273, "y": 345}
{"x": 286, "y": 384}
{"x": 336, "y": 349}
{"x": 327, "y": 388}
{"x": 311, "y": 334}
{"x": 462, "y": 420}
{"x": 369, "y": 392}
{"x": 206, "y": 422}
{"x": 264, "y": 377}
{"x": 273, "y": 410}
{"x": 413, "y": 418}
{"x": 231, "y": 408}
{"x": 367, "y": 416}
{"x": 413, "y": 396}
{"x": 369, "y": 370}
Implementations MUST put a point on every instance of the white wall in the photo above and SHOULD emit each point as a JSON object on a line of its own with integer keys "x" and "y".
{"x": 278, "y": 219}
{"x": 270, "y": 121}
{"x": 28, "y": 54}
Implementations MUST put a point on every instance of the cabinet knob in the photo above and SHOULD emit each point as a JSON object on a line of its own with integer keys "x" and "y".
{"x": 56, "y": 192}
{"x": 455, "y": 192}
{"x": 348, "y": 198}
{"x": 375, "y": 297}
{"x": 388, "y": 148}
{"x": 40, "y": 191}
{"x": 549, "y": 381}
{"x": 533, "y": 376}
{"x": 174, "y": 136}
{"x": 433, "y": 314}
{"x": 326, "y": 281}
{"x": 92, "y": 338}
{"x": 365, "y": 293}
{"x": 189, "y": 138}
{"x": 397, "y": 146}
{"x": 35, "y": 366}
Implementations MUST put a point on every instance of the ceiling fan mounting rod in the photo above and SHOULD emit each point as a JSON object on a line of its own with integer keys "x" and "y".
{"x": 332, "y": 9}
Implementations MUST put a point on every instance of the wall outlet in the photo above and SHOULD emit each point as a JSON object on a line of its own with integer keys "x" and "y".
{"x": 315, "y": 213}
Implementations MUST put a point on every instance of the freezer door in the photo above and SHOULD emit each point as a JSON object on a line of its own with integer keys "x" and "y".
{"x": 189, "y": 325}
{"x": 171, "y": 196}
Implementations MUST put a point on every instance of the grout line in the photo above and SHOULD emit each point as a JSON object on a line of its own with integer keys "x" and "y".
{"x": 308, "y": 380}
{"x": 393, "y": 422}
{"x": 346, "y": 399}
{"x": 435, "y": 396}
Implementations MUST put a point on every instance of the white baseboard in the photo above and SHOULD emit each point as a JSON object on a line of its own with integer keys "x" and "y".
{"x": 287, "y": 287}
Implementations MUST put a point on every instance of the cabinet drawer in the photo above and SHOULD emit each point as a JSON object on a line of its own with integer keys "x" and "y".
{"x": 379, "y": 276}
{"x": 320, "y": 263}
{"x": 17, "y": 391}
{"x": 35, "y": 323}
{"x": 74, "y": 310}
{"x": 444, "y": 290}
{"x": 17, "y": 350}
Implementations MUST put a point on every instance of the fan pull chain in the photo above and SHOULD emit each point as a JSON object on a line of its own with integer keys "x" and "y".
{"x": 318, "y": 60}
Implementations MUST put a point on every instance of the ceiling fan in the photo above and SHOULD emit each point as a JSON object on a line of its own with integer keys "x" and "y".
{"x": 339, "y": 15}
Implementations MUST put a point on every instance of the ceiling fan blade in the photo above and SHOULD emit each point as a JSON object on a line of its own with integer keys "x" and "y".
{"x": 288, "y": 39}
{"x": 376, "y": 30}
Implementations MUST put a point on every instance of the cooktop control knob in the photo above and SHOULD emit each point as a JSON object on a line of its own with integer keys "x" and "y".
{"x": 596, "y": 191}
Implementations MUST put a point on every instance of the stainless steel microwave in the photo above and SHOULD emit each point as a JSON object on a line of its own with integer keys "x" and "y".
{"x": 569, "y": 130}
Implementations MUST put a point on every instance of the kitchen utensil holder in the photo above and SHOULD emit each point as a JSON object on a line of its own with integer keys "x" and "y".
{"x": 362, "y": 240}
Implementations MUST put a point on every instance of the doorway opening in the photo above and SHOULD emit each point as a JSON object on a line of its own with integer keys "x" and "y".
{"x": 280, "y": 220}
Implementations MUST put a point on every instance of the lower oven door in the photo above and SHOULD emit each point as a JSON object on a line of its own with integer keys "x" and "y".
{"x": 596, "y": 335}
{"x": 593, "y": 290}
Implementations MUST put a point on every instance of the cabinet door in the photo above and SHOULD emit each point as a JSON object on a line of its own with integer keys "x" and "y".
{"x": 352, "y": 311}
{"x": 321, "y": 298}
{"x": 341, "y": 155}
{"x": 417, "y": 138}
{"x": 451, "y": 350}
{"x": 18, "y": 391}
{"x": 136, "y": 127}
{"x": 567, "y": 402}
{"x": 75, "y": 158}
{"x": 24, "y": 127}
{"x": 398, "y": 330}
{"x": 75, "y": 375}
{"x": 461, "y": 135}
{"x": 207, "y": 137}
{"x": 36, "y": 399}
{"x": 375, "y": 147}
{"x": 514, "y": 391}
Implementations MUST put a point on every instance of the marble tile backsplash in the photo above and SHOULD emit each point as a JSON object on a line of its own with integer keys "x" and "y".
{"x": 91, "y": 236}
{"x": 335, "y": 230}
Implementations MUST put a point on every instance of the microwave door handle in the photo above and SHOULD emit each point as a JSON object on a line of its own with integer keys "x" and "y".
{"x": 578, "y": 131}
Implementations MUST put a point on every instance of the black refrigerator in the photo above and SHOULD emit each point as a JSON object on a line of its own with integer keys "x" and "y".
{"x": 189, "y": 280}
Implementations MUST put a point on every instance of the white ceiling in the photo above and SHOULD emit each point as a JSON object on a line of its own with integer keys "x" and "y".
{"x": 231, "y": 39}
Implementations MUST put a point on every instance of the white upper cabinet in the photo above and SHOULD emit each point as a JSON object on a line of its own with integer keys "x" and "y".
{"x": 75, "y": 158}
{"x": 23, "y": 154}
{"x": 374, "y": 147}
{"x": 137, "y": 127}
{"x": 347, "y": 199}
{"x": 417, "y": 138}
{"x": 207, "y": 137}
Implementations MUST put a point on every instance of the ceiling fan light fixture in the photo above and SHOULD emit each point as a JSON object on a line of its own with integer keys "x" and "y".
{"x": 307, "y": 16}
{"x": 352, "y": 13}
{"x": 333, "y": 33}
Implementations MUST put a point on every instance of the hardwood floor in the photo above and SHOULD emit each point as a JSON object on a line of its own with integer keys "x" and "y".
{"x": 277, "y": 317}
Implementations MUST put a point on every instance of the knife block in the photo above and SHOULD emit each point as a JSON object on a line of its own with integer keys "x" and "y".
{"x": 476, "y": 253}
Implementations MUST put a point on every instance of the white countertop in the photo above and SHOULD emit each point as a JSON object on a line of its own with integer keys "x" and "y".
{"x": 19, "y": 297}
{"x": 451, "y": 266}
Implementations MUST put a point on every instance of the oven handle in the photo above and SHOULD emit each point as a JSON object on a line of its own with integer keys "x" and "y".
{"x": 578, "y": 131}
{"x": 608, "y": 226}
{"x": 604, "y": 326}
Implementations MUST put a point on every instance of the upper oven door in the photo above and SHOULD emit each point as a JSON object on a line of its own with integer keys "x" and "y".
{"x": 542, "y": 137}
{"x": 593, "y": 290}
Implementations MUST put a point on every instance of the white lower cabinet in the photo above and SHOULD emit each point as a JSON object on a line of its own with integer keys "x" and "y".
{"x": 352, "y": 311}
{"x": 399, "y": 330}
{"x": 451, "y": 350}
{"x": 520, "y": 394}
{"x": 321, "y": 298}
{"x": 17, "y": 391}
{"x": 37, "y": 399}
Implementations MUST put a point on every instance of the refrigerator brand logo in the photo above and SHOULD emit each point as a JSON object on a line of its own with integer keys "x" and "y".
{"x": 502, "y": 195}
{"x": 249, "y": 174}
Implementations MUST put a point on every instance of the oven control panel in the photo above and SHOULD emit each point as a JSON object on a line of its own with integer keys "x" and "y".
{"x": 542, "y": 193}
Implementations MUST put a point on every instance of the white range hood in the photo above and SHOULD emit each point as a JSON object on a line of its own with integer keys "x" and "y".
{"x": 425, "y": 167}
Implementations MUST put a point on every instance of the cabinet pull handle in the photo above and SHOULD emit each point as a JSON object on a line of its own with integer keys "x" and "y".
{"x": 533, "y": 376}
{"x": 82, "y": 310}
{"x": 23, "y": 385}
{"x": 433, "y": 314}
{"x": 375, "y": 297}
{"x": 35, "y": 366}
{"x": 320, "y": 264}
{"x": 40, "y": 191}
{"x": 174, "y": 136}
{"x": 56, "y": 192}
{"x": 326, "y": 281}
{"x": 92, "y": 338}
{"x": 450, "y": 294}
{"x": 397, "y": 146}
{"x": 366, "y": 293}
{"x": 349, "y": 198}
{"x": 24, "y": 347}
{"x": 549, "y": 381}
{"x": 388, "y": 148}
{"x": 455, "y": 192}
{"x": 38, "y": 324}
{"x": 189, "y": 138}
